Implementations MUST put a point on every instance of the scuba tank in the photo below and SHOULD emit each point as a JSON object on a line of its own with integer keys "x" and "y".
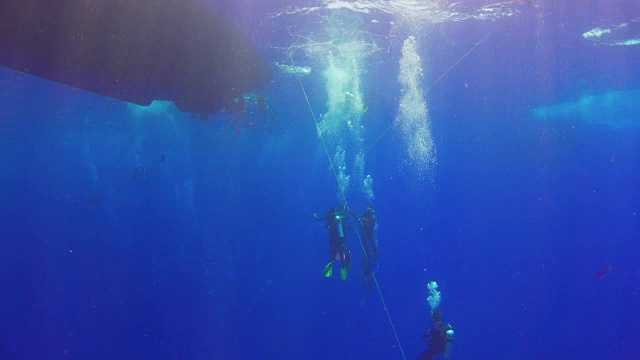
{"x": 449, "y": 337}
{"x": 339, "y": 229}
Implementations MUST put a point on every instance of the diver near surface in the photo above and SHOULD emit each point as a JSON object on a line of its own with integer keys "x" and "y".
{"x": 337, "y": 242}
{"x": 369, "y": 223}
{"x": 440, "y": 337}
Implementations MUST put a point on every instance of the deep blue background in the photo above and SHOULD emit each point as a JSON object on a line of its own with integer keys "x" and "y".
{"x": 214, "y": 254}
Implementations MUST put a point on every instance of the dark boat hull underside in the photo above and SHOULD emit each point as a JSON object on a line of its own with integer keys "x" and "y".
{"x": 137, "y": 51}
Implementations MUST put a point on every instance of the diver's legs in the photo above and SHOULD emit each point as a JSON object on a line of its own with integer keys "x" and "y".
{"x": 430, "y": 353}
{"x": 346, "y": 264}
{"x": 425, "y": 356}
{"x": 370, "y": 246}
{"x": 346, "y": 259}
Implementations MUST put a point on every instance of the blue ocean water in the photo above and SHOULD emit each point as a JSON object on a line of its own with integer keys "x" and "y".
{"x": 142, "y": 233}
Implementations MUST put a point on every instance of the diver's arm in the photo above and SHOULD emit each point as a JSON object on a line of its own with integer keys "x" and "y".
{"x": 319, "y": 219}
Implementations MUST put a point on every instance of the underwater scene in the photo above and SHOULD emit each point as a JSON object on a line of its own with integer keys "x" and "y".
{"x": 320, "y": 179}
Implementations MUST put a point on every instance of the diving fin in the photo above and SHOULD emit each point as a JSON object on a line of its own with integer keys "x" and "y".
{"x": 328, "y": 270}
{"x": 344, "y": 273}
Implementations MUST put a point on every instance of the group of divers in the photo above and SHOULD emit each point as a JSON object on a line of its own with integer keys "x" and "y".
{"x": 440, "y": 335}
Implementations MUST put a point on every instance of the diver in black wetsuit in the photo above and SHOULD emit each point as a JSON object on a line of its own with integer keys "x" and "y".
{"x": 369, "y": 221}
{"x": 337, "y": 242}
{"x": 440, "y": 337}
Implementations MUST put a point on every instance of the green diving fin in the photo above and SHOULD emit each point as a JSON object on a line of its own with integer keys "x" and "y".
{"x": 344, "y": 273}
{"x": 328, "y": 270}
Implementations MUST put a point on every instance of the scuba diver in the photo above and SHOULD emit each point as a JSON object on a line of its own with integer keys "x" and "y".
{"x": 440, "y": 336}
{"x": 337, "y": 243}
{"x": 369, "y": 224}
{"x": 368, "y": 265}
